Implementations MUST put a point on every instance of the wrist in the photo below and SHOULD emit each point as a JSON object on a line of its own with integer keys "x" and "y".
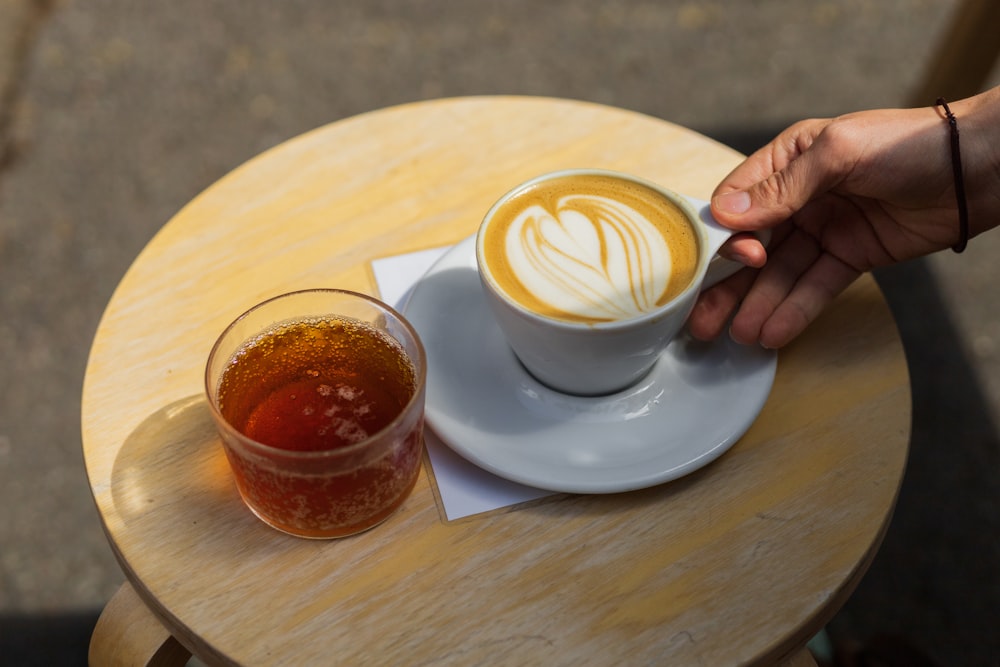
{"x": 979, "y": 126}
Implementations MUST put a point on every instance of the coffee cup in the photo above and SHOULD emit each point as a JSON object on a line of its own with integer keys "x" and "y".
{"x": 591, "y": 273}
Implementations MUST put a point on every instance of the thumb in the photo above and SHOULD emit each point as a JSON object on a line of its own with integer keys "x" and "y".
{"x": 772, "y": 200}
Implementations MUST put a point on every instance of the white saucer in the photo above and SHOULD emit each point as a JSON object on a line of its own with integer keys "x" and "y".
{"x": 694, "y": 405}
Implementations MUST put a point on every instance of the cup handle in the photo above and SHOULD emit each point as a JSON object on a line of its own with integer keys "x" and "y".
{"x": 720, "y": 268}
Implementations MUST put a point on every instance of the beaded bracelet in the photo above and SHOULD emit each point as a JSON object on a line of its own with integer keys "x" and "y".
{"x": 956, "y": 167}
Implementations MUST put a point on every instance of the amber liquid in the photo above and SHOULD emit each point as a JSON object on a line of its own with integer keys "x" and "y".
{"x": 322, "y": 386}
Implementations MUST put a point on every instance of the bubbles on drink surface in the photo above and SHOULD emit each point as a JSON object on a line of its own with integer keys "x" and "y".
{"x": 316, "y": 384}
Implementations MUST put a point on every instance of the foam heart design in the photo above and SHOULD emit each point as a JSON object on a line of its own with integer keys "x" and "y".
{"x": 591, "y": 258}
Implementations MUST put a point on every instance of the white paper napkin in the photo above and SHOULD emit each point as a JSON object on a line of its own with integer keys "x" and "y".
{"x": 464, "y": 488}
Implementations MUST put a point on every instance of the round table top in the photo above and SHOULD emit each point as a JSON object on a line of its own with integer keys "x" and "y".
{"x": 739, "y": 562}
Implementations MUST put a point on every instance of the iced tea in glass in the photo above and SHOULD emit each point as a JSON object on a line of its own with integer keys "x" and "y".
{"x": 319, "y": 398}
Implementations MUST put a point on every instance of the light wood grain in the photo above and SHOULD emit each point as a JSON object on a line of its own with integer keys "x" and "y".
{"x": 738, "y": 563}
{"x": 127, "y": 634}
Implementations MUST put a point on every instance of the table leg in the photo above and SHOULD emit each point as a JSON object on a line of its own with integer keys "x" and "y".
{"x": 127, "y": 633}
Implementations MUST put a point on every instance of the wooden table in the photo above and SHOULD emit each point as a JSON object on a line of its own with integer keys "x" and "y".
{"x": 740, "y": 562}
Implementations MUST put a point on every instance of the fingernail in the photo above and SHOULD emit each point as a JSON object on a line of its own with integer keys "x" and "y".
{"x": 739, "y": 339}
{"x": 733, "y": 202}
{"x": 741, "y": 258}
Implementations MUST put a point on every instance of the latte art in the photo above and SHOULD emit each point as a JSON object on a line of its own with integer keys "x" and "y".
{"x": 590, "y": 248}
{"x": 593, "y": 258}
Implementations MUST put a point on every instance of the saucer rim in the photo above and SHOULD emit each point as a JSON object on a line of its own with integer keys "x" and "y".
{"x": 462, "y": 254}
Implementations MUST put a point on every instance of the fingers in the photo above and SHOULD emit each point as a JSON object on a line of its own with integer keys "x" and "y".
{"x": 790, "y": 259}
{"x": 775, "y": 304}
{"x": 790, "y": 292}
{"x": 827, "y": 278}
{"x": 745, "y": 249}
{"x": 797, "y": 276}
{"x": 716, "y": 305}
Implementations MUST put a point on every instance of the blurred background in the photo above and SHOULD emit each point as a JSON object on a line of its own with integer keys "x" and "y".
{"x": 113, "y": 114}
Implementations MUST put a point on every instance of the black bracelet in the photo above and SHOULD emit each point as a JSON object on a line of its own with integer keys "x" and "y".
{"x": 956, "y": 167}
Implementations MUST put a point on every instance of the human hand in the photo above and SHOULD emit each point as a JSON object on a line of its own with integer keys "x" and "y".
{"x": 843, "y": 196}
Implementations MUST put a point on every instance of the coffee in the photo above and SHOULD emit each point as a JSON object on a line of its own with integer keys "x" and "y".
{"x": 590, "y": 248}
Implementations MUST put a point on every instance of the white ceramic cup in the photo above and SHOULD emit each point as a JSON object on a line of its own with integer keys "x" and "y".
{"x": 603, "y": 357}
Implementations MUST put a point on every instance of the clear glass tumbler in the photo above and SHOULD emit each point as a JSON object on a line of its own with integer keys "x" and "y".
{"x": 318, "y": 396}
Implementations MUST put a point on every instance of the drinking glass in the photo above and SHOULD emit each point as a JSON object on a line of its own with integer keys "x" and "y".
{"x": 297, "y": 487}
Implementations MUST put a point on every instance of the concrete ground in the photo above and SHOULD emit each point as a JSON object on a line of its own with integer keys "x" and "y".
{"x": 113, "y": 114}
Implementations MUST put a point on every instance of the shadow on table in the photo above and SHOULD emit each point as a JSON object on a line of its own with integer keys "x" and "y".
{"x": 934, "y": 583}
{"x": 935, "y": 580}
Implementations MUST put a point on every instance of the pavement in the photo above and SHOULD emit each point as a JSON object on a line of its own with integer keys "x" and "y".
{"x": 113, "y": 114}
